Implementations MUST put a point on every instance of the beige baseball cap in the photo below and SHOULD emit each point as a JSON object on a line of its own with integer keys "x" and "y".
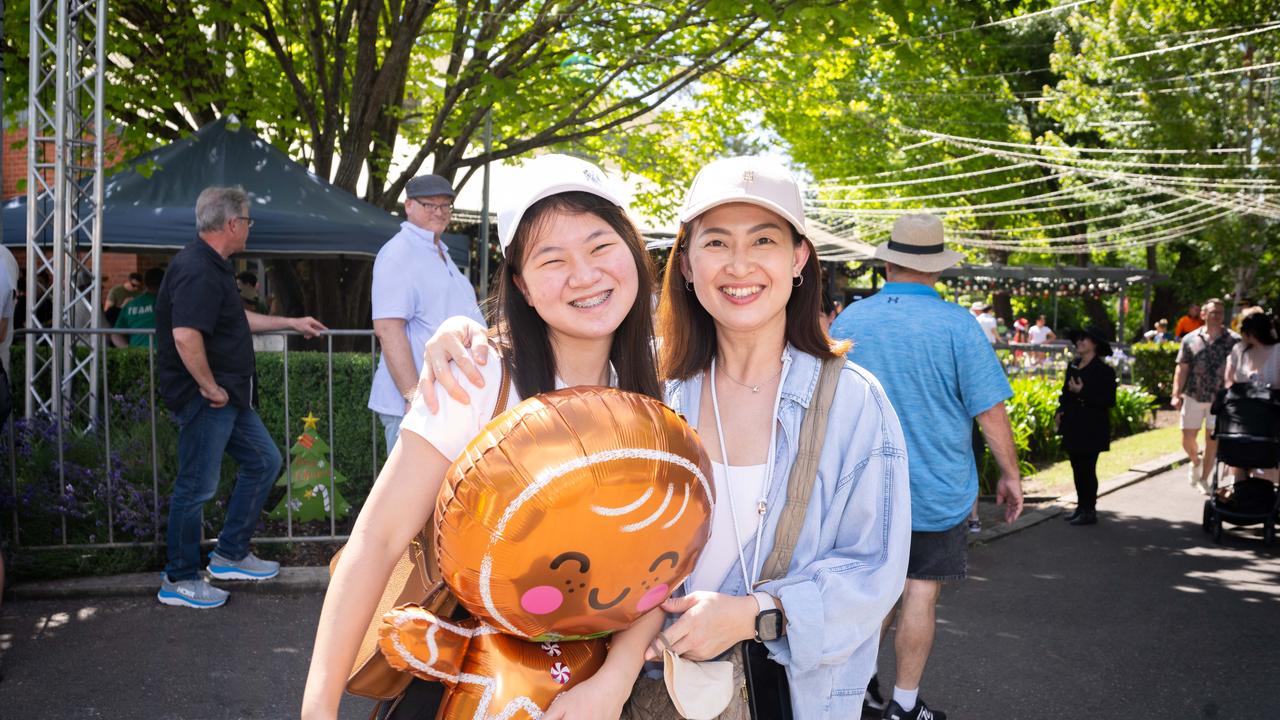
{"x": 549, "y": 175}
{"x": 750, "y": 179}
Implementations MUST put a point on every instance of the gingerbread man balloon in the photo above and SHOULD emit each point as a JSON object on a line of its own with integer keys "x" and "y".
{"x": 567, "y": 518}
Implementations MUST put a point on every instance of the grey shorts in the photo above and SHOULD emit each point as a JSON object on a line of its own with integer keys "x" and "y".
{"x": 939, "y": 555}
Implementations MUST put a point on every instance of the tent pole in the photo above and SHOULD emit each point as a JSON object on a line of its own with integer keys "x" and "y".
{"x": 484, "y": 209}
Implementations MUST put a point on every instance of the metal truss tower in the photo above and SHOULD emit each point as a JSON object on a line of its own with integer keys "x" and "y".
{"x": 64, "y": 208}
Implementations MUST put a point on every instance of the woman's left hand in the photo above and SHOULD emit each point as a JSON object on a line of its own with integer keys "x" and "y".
{"x": 709, "y": 624}
{"x": 600, "y": 696}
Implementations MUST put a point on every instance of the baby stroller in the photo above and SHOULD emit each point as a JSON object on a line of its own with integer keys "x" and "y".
{"x": 1248, "y": 433}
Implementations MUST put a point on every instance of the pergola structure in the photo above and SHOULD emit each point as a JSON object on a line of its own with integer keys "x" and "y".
{"x": 1117, "y": 279}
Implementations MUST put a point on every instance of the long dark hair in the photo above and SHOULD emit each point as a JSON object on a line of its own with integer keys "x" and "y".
{"x": 522, "y": 333}
{"x": 1261, "y": 327}
{"x": 688, "y": 331}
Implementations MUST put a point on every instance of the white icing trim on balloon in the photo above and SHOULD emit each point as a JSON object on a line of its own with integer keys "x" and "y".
{"x": 635, "y": 526}
{"x": 516, "y": 704}
{"x": 611, "y": 512}
{"x": 546, "y": 477}
{"x": 684, "y": 503}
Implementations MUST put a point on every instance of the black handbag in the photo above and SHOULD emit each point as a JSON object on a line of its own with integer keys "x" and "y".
{"x": 768, "y": 692}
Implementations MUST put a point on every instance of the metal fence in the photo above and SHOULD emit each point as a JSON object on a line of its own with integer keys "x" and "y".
{"x": 99, "y": 430}
{"x": 1019, "y": 360}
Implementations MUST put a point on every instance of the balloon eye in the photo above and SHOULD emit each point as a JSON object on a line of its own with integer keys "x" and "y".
{"x": 584, "y": 563}
{"x": 671, "y": 557}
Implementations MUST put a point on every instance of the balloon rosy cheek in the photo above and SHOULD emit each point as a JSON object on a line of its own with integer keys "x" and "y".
{"x": 653, "y": 598}
{"x": 541, "y": 600}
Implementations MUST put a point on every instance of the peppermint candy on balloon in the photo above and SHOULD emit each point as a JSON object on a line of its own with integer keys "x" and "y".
{"x": 550, "y": 648}
{"x": 560, "y": 673}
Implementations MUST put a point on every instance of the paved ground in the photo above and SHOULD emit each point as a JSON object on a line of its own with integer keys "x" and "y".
{"x": 1139, "y": 617}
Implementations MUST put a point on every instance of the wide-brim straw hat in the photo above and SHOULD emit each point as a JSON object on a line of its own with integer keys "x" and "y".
{"x": 916, "y": 243}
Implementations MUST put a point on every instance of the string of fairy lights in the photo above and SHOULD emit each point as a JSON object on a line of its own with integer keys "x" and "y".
{"x": 1068, "y": 199}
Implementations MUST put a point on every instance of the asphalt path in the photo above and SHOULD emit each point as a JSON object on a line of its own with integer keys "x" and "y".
{"x": 1139, "y": 617}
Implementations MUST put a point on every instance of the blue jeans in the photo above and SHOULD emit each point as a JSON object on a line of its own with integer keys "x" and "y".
{"x": 204, "y": 434}
{"x": 390, "y": 429}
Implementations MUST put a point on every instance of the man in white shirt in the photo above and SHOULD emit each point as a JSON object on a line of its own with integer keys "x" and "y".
{"x": 415, "y": 287}
{"x": 982, "y": 313}
{"x": 1040, "y": 333}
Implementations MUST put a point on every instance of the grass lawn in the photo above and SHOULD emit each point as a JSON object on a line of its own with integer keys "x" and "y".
{"x": 1124, "y": 454}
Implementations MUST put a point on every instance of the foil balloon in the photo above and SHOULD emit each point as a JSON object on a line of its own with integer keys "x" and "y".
{"x": 566, "y": 519}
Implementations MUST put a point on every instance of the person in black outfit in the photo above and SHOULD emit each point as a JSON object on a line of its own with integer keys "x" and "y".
{"x": 1084, "y": 417}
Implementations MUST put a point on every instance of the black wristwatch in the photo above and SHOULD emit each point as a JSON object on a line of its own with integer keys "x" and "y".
{"x": 771, "y": 624}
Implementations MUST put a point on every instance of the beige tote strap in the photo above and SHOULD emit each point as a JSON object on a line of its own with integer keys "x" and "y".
{"x": 804, "y": 472}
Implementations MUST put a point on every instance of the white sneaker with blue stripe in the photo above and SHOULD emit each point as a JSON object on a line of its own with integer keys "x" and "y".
{"x": 196, "y": 594}
{"x": 250, "y": 567}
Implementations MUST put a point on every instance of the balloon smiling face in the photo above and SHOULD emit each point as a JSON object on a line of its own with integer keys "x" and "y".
{"x": 574, "y": 514}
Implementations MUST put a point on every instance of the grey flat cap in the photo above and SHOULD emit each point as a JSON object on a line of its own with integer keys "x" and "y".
{"x": 427, "y": 186}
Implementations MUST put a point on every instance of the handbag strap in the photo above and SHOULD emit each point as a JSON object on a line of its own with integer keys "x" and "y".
{"x": 804, "y": 471}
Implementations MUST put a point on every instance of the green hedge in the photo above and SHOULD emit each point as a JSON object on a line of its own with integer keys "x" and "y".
{"x": 1153, "y": 366}
{"x": 124, "y": 482}
{"x": 1031, "y": 412}
{"x": 356, "y": 433}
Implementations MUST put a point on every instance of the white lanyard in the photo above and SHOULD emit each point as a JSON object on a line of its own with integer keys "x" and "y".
{"x": 763, "y": 505}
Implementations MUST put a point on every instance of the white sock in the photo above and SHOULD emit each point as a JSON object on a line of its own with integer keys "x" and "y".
{"x": 906, "y": 699}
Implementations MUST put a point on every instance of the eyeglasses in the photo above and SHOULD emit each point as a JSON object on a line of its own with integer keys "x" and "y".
{"x": 442, "y": 208}
{"x": 248, "y": 221}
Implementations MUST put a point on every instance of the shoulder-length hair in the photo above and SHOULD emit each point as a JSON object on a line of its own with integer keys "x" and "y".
{"x": 522, "y": 333}
{"x": 688, "y": 331}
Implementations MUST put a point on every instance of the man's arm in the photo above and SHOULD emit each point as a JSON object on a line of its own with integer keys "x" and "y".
{"x": 999, "y": 435}
{"x": 190, "y": 344}
{"x": 308, "y": 326}
{"x": 1179, "y": 380}
{"x": 118, "y": 340}
{"x": 394, "y": 338}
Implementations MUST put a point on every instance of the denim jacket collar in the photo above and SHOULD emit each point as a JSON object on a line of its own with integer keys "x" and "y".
{"x": 800, "y": 379}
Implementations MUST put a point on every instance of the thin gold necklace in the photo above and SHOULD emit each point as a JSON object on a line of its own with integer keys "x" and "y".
{"x": 753, "y": 388}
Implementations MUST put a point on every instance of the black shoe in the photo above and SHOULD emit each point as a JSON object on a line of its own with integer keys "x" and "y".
{"x": 894, "y": 711}
{"x": 1073, "y": 515}
{"x": 872, "y": 701}
{"x": 1086, "y": 518}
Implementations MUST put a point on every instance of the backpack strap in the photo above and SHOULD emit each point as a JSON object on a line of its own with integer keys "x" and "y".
{"x": 804, "y": 471}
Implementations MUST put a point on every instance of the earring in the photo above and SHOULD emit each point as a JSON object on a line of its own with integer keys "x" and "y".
{"x": 688, "y": 286}
{"x": 797, "y": 281}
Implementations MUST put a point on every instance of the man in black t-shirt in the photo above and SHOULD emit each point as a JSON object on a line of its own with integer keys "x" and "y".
{"x": 205, "y": 365}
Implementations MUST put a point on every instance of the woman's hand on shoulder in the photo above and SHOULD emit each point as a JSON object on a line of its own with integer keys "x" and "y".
{"x": 709, "y": 624}
{"x": 463, "y": 342}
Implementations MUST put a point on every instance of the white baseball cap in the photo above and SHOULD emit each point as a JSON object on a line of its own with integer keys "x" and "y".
{"x": 756, "y": 180}
{"x": 545, "y": 176}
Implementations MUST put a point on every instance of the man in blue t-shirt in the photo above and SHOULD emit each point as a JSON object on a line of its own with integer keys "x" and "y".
{"x": 940, "y": 373}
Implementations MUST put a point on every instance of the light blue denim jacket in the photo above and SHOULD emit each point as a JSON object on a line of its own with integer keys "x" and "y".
{"x": 850, "y": 562}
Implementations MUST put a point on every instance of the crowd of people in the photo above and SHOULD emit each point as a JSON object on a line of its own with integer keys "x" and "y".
{"x": 734, "y": 337}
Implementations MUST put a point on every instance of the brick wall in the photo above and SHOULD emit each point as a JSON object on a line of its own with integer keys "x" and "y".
{"x": 115, "y": 266}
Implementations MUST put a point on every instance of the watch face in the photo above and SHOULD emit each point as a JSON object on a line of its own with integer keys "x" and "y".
{"x": 769, "y": 625}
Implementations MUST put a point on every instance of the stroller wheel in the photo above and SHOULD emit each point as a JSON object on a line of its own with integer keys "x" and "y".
{"x": 1217, "y": 529}
{"x": 1206, "y": 523}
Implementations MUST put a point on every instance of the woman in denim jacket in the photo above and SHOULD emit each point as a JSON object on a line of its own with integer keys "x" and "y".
{"x": 742, "y": 350}
{"x": 740, "y": 306}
